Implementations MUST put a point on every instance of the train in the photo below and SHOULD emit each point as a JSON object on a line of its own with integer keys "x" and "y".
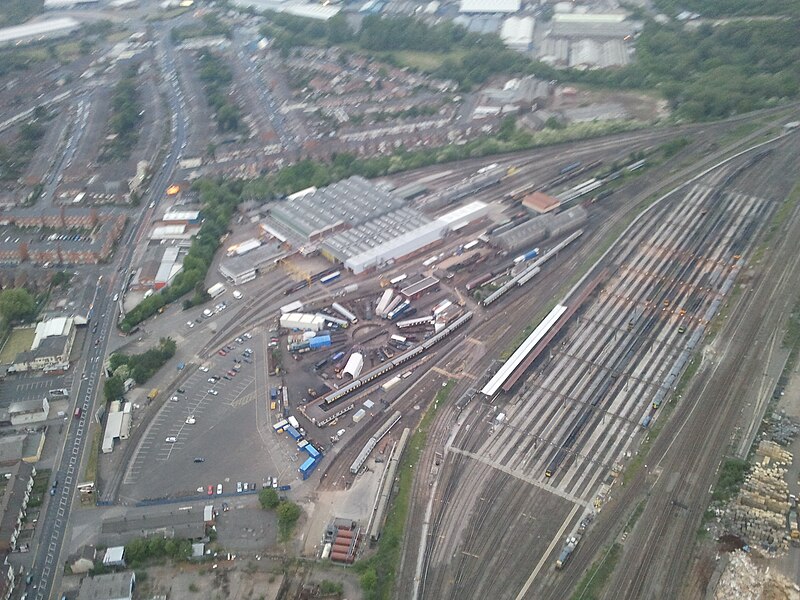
{"x": 569, "y": 168}
{"x": 392, "y": 364}
{"x": 479, "y": 281}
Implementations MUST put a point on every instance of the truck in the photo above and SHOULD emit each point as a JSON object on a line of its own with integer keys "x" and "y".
{"x": 566, "y": 552}
{"x": 153, "y": 393}
{"x": 216, "y": 290}
{"x": 273, "y": 393}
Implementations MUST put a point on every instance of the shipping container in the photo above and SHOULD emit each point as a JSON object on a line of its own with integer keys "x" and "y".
{"x": 358, "y": 415}
{"x": 278, "y": 427}
{"x": 312, "y": 451}
{"x": 320, "y": 341}
{"x": 293, "y": 422}
{"x": 293, "y": 433}
{"x": 307, "y": 468}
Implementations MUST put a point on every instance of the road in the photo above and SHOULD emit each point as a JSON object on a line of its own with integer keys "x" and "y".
{"x": 47, "y": 567}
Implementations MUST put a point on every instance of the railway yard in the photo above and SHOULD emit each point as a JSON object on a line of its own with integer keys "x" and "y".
{"x": 302, "y": 379}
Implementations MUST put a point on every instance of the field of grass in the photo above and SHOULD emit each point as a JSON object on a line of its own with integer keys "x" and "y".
{"x": 20, "y": 340}
{"x": 424, "y": 61}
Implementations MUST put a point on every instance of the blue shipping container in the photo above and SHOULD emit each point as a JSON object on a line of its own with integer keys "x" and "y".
{"x": 312, "y": 452}
{"x": 308, "y": 467}
{"x": 293, "y": 433}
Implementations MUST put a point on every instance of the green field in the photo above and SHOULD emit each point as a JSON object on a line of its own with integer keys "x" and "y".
{"x": 18, "y": 341}
{"x": 425, "y": 61}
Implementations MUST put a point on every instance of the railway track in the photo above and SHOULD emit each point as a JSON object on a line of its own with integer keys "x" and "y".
{"x": 700, "y": 241}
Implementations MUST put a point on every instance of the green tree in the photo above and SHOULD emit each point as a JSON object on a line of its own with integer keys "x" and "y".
{"x": 17, "y": 304}
{"x": 268, "y": 498}
{"x": 114, "y": 388}
{"x": 288, "y": 514}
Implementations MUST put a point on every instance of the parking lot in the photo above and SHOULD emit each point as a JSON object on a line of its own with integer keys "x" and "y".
{"x": 217, "y": 430}
{"x": 31, "y": 386}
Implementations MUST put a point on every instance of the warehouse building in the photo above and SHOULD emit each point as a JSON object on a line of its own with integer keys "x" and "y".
{"x": 26, "y": 412}
{"x": 417, "y": 239}
{"x": 113, "y": 586}
{"x": 540, "y": 202}
{"x": 39, "y": 31}
{"x": 339, "y": 206}
{"x": 52, "y": 344}
{"x": 303, "y": 321}
{"x": 239, "y": 269}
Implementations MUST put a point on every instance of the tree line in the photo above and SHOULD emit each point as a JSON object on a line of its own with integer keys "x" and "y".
{"x": 126, "y": 114}
{"x": 140, "y": 367}
{"x": 217, "y": 76}
{"x": 219, "y": 200}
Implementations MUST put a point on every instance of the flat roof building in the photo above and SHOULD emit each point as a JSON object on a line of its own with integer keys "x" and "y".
{"x": 517, "y": 32}
{"x": 37, "y": 31}
{"x": 489, "y": 6}
{"x": 243, "y": 268}
{"x": 415, "y": 290}
{"x": 114, "y": 586}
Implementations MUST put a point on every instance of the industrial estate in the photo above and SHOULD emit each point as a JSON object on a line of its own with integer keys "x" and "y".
{"x": 397, "y": 299}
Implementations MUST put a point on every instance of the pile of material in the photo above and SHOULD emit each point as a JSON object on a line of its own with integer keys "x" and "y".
{"x": 782, "y": 429}
{"x": 758, "y": 513}
{"x": 743, "y": 580}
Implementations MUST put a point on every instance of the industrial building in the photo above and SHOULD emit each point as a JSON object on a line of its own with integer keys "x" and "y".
{"x": 66, "y": 4}
{"x": 304, "y": 321}
{"x": 113, "y": 586}
{"x": 38, "y": 31}
{"x": 417, "y": 289}
{"x": 540, "y": 202}
{"x": 517, "y": 33}
{"x": 298, "y": 9}
{"x": 540, "y": 228}
{"x": 588, "y": 40}
{"x": 489, "y": 6}
{"x": 26, "y": 412}
{"x": 416, "y": 239}
{"x": 241, "y": 268}
{"x": 339, "y": 206}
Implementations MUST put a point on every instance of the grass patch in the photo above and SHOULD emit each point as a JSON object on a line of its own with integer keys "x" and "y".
{"x": 782, "y": 214}
{"x": 740, "y": 131}
{"x": 731, "y": 477}
{"x": 18, "y": 341}
{"x": 425, "y": 61}
{"x": 39, "y": 489}
{"x": 90, "y": 474}
{"x": 379, "y": 571}
{"x": 595, "y": 580}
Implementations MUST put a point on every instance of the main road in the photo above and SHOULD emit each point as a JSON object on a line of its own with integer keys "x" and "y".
{"x": 47, "y": 565}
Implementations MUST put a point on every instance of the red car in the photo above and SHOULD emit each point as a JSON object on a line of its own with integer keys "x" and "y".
{"x": 211, "y": 490}
{"x": 222, "y": 353}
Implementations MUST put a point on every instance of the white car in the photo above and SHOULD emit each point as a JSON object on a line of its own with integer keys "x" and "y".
{"x": 174, "y": 398}
{"x": 213, "y": 392}
{"x": 219, "y": 488}
{"x": 171, "y": 439}
{"x": 237, "y": 294}
{"x": 190, "y": 420}
{"x": 190, "y": 324}
{"x": 212, "y": 380}
{"x": 204, "y": 369}
{"x": 238, "y": 487}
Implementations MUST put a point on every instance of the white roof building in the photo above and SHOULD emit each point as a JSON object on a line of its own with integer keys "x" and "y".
{"x": 489, "y": 6}
{"x": 50, "y": 328}
{"x": 517, "y": 32}
{"x": 40, "y": 30}
{"x": 354, "y": 365}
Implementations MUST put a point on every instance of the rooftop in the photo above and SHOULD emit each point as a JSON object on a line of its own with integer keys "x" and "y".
{"x": 107, "y": 587}
{"x": 489, "y": 6}
{"x": 19, "y": 33}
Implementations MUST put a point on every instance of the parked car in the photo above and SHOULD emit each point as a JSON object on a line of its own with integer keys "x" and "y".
{"x": 171, "y": 439}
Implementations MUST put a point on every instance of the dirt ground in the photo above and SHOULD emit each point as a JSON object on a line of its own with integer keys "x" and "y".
{"x": 246, "y": 579}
